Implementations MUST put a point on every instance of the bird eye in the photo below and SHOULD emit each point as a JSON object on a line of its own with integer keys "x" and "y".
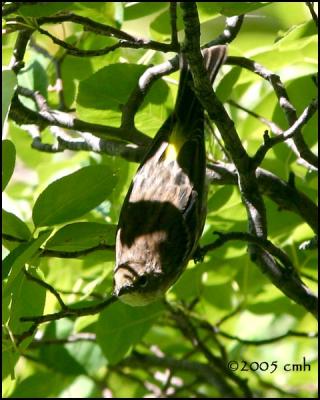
{"x": 142, "y": 281}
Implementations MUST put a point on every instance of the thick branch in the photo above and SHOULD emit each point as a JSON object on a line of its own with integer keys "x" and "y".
{"x": 286, "y": 196}
{"x": 246, "y": 237}
{"x": 290, "y": 285}
{"x": 23, "y": 115}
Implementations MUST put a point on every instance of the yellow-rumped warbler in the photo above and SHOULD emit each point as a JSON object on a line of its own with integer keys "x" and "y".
{"x": 163, "y": 214}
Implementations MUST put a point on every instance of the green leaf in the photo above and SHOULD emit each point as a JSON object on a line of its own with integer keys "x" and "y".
{"x": 224, "y": 90}
{"x": 9, "y": 81}
{"x": 120, "y": 326}
{"x": 41, "y": 10}
{"x": 188, "y": 285}
{"x": 27, "y": 299}
{"x": 101, "y": 96}
{"x": 297, "y": 32}
{"x": 58, "y": 357}
{"x": 8, "y": 161}
{"x": 103, "y": 11}
{"x": 82, "y": 235}
{"x": 44, "y": 383}
{"x": 219, "y": 198}
{"x": 240, "y": 7}
{"x": 13, "y": 226}
{"x": 160, "y": 28}
{"x": 33, "y": 77}
{"x": 75, "y": 69}
{"x": 73, "y": 195}
{"x": 141, "y": 9}
{"x": 83, "y": 357}
{"x": 9, "y": 359}
{"x": 17, "y": 263}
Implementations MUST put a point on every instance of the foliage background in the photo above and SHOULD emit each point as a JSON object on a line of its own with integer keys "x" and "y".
{"x": 232, "y": 294}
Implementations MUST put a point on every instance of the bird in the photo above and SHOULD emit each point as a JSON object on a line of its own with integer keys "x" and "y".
{"x": 164, "y": 211}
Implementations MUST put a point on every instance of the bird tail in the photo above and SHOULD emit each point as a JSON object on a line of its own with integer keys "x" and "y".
{"x": 188, "y": 108}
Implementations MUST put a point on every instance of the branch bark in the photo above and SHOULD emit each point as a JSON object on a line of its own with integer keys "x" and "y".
{"x": 289, "y": 284}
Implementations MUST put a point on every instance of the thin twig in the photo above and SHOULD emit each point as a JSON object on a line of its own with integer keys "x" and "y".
{"x": 48, "y": 287}
{"x": 88, "y": 24}
{"x": 138, "y": 44}
{"x": 288, "y": 134}
{"x": 173, "y": 23}
{"x": 263, "y": 342}
{"x": 57, "y": 62}
{"x": 247, "y": 237}
{"x": 78, "y": 337}
{"x": 75, "y": 254}
{"x": 270, "y": 124}
{"x": 70, "y": 312}
{"x": 284, "y": 102}
{"x": 230, "y": 32}
{"x": 274, "y": 129}
{"x": 218, "y": 365}
{"x": 312, "y": 12}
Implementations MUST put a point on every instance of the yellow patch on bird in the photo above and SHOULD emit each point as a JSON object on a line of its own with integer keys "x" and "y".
{"x": 171, "y": 152}
{"x": 176, "y": 141}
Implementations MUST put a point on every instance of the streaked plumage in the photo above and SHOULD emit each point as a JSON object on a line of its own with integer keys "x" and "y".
{"x": 163, "y": 214}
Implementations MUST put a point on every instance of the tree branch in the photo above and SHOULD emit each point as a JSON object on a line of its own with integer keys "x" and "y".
{"x": 284, "y": 103}
{"x": 14, "y": 7}
{"x": 75, "y": 254}
{"x": 146, "y": 80}
{"x": 312, "y": 12}
{"x": 247, "y": 237}
{"x": 173, "y": 23}
{"x": 275, "y": 129}
{"x": 217, "y": 364}
{"x": 200, "y": 369}
{"x": 284, "y": 195}
{"x": 263, "y": 342}
{"x": 289, "y": 133}
{"x": 24, "y": 116}
{"x": 77, "y": 337}
{"x": 70, "y": 312}
{"x": 290, "y": 285}
{"x": 88, "y": 24}
{"x": 16, "y": 62}
{"x": 132, "y": 44}
{"x": 230, "y": 32}
{"x": 48, "y": 287}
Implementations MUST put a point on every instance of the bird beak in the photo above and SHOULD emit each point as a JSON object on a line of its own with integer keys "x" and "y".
{"x": 122, "y": 290}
